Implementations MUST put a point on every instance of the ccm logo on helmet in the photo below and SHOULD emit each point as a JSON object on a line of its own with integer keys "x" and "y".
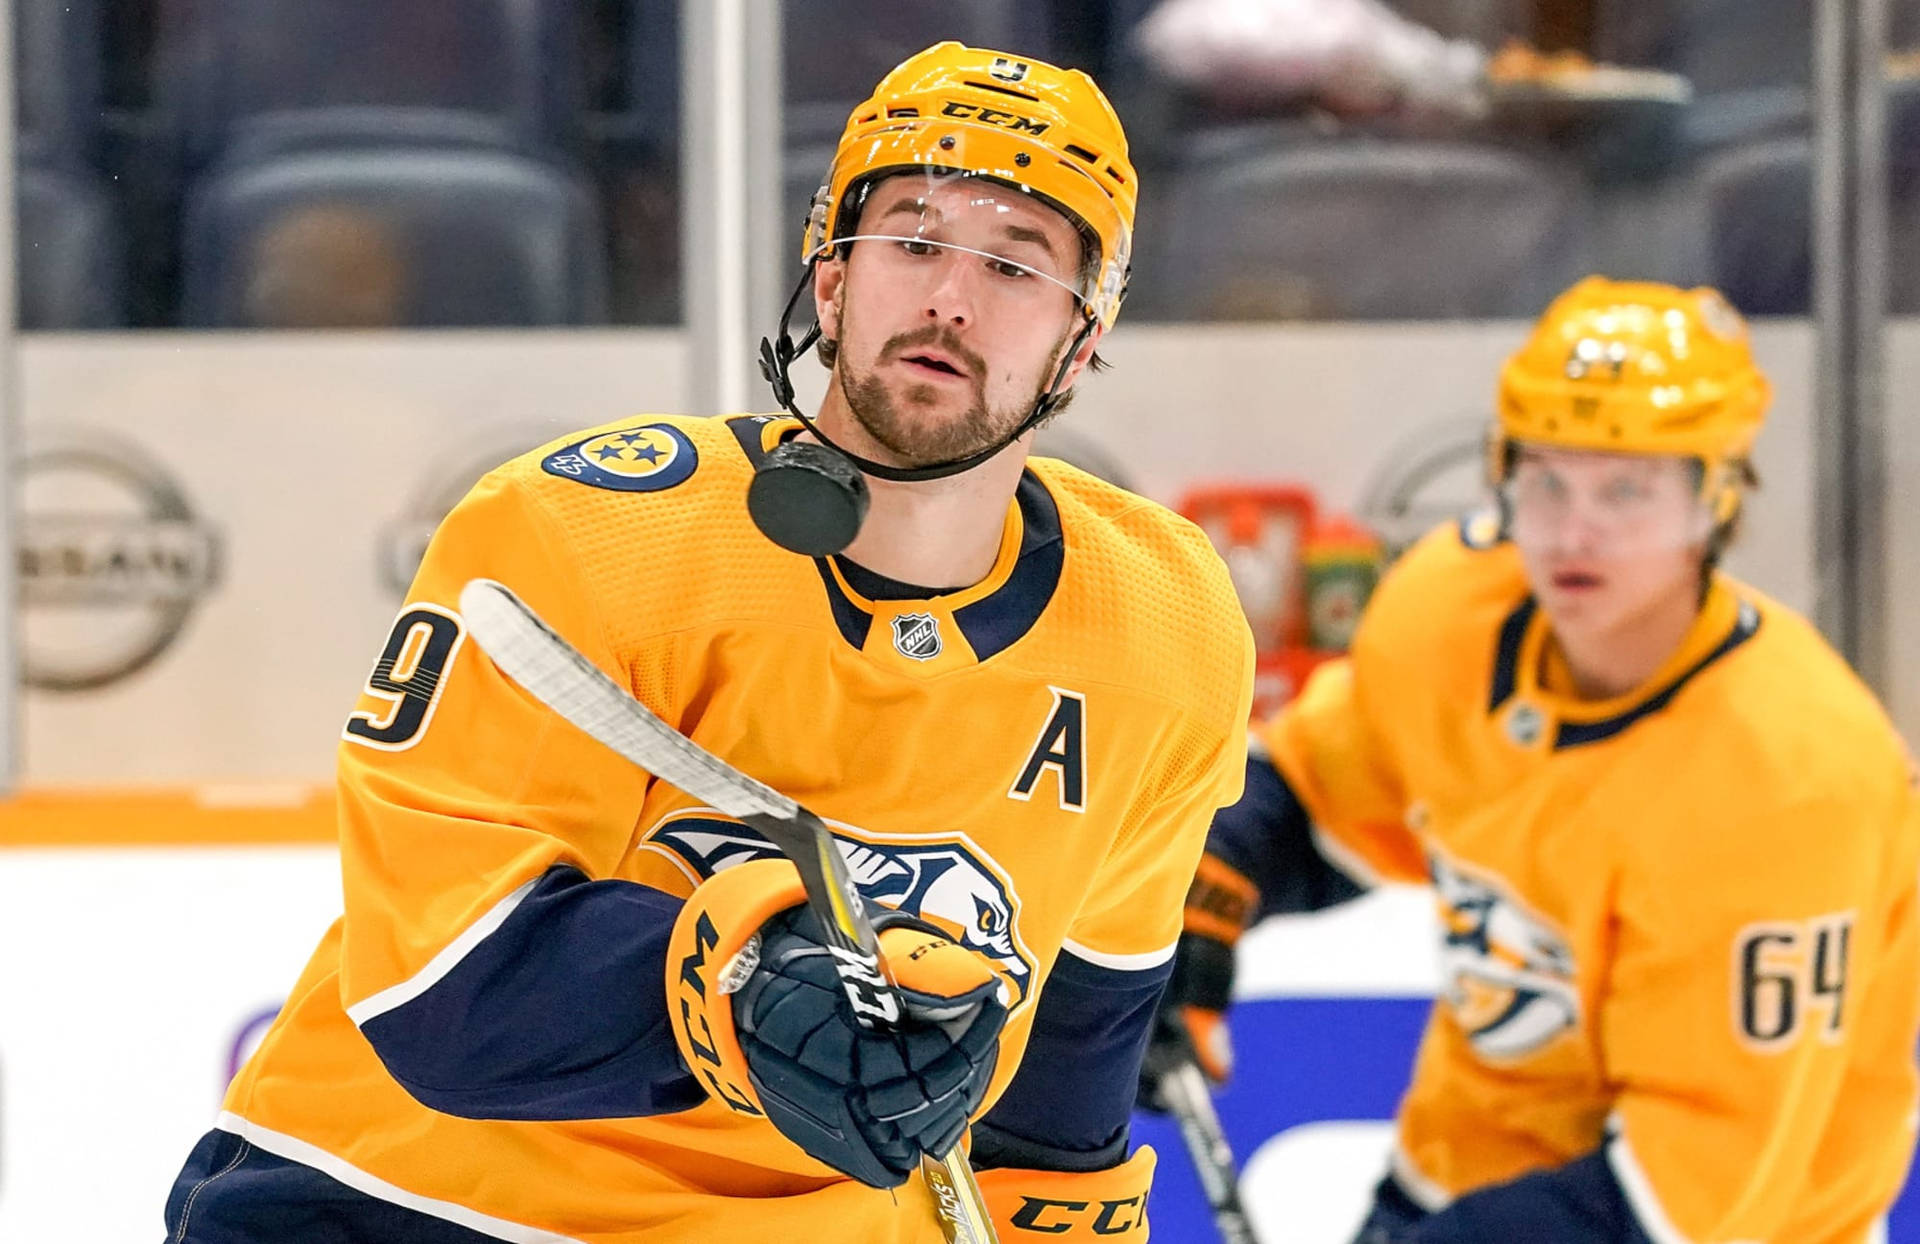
{"x": 994, "y": 116}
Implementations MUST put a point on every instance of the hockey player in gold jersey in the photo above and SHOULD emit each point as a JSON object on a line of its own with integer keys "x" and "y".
{"x": 1016, "y": 697}
{"x": 1671, "y": 838}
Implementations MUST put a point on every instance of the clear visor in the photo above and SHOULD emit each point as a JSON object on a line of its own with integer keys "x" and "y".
{"x": 1011, "y": 245}
{"x": 1576, "y": 503}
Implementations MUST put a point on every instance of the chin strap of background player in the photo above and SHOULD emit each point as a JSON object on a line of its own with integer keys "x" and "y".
{"x": 777, "y": 355}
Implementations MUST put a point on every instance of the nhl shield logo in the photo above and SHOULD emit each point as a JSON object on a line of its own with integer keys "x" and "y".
{"x": 1008, "y": 69}
{"x": 917, "y": 636}
{"x": 1525, "y": 724}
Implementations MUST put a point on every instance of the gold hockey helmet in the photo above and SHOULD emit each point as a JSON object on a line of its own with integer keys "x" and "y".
{"x": 1637, "y": 367}
{"x": 1047, "y": 132}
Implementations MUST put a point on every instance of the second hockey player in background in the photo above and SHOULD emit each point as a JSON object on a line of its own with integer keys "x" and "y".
{"x": 1671, "y": 837}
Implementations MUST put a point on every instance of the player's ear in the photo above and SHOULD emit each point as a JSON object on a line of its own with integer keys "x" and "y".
{"x": 1083, "y": 355}
{"x": 829, "y": 279}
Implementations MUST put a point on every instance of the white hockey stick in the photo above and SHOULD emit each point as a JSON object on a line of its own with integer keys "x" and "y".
{"x": 555, "y": 673}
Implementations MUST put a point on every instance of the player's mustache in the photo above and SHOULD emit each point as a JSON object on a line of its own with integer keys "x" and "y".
{"x": 941, "y": 338}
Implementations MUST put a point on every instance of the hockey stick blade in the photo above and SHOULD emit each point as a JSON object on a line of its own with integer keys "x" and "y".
{"x": 558, "y": 675}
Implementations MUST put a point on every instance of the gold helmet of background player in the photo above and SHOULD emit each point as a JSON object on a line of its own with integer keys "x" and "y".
{"x": 1638, "y": 367}
{"x": 1046, "y": 131}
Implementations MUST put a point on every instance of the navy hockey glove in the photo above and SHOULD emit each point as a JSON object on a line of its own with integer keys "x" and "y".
{"x": 765, "y": 1023}
{"x": 1192, "y": 1020}
{"x": 869, "y": 1102}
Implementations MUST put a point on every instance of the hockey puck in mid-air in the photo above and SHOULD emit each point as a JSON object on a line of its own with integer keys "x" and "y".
{"x": 808, "y": 499}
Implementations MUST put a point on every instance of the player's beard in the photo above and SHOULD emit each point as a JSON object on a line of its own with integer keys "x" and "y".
{"x": 905, "y": 427}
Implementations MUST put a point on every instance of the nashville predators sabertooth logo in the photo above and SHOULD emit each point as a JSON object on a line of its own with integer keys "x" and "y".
{"x": 1507, "y": 978}
{"x": 942, "y": 877}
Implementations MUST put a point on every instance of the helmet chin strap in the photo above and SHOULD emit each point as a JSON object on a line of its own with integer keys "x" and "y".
{"x": 777, "y": 355}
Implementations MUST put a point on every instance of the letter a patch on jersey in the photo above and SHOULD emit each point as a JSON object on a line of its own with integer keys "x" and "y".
{"x": 1061, "y": 749}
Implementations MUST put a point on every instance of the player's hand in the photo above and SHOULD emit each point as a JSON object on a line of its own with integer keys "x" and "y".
{"x": 864, "y": 1101}
{"x": 765, "y": 1025}
{"x": 1192, "y": 1022}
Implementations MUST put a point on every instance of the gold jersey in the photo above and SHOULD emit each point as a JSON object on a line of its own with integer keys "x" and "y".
{"x": 1683, "y": 919}
{"x": 1030, "y": 762}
